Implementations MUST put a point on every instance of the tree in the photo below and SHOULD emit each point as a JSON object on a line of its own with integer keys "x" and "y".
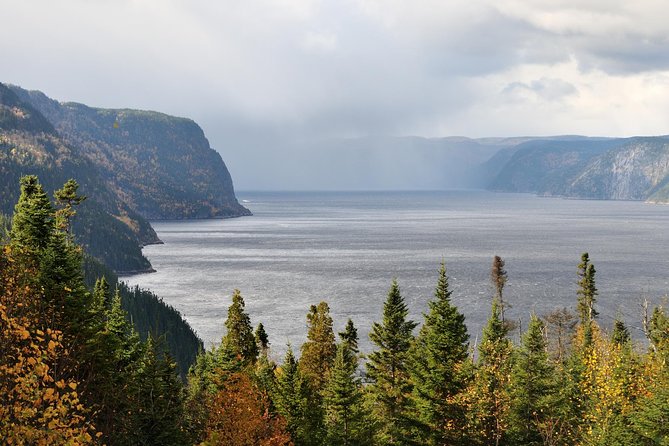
{"x": 387, "y": 369}
{"x": 532, "y": 389}
{"x": 157, "y": 394}
{"x": 437, "y": 367}
{"x": 66, "y": 198}
{"x": 262, "y": 340}
{"x": 239, "y": 416}
{"x": 291, "y": 398}
{"x": 345, "y": 418}
{"x": 318, "y": 352}
{"x": 239, "y": 342}
{"x": 32, "y": 222}
{"x": 499, "y": 277}
{"x": 587, "y": 297}
{"x": 490, "y": 397}
{"x": 38, "y": 404}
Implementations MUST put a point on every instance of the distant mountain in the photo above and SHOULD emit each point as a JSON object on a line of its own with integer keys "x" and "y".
{"x": 161, "y": 166}
{"x": 612, "y": 169}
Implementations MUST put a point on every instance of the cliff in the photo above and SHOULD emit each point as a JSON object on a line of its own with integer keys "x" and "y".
{"x": 160, "y": 166}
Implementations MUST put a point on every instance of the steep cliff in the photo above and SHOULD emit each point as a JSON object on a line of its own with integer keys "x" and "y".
{"x": 29, "y": 144}
{"x": 161, "y": 166}
{"x": 637, "y": 170}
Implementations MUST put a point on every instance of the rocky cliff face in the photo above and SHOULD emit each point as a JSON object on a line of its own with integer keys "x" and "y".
{"x": 611, "y": 169}
{"x": 161, "y": 166}
{"x": 635, "y": 171}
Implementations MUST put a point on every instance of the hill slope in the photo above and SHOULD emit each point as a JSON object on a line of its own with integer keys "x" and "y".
{"x": 161, "y": 166}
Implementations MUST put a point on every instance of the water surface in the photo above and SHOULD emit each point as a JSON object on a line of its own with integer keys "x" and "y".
{"x": 345, "y": 248}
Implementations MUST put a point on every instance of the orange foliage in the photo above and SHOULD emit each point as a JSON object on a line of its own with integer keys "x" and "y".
{"x": 36, "y": 407}
{"x": 239, "y": 416}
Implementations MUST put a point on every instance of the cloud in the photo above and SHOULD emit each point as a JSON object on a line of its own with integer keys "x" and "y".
{"x": 258, "y": 71}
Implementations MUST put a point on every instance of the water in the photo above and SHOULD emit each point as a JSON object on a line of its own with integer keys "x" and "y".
{"x": 345, "y": 248}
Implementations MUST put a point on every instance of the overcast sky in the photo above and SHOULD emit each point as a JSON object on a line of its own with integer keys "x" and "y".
{"x": 252, "y": 72}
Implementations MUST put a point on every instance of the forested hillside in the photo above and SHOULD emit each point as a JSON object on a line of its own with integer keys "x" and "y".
{"x": 161, "y": 166}
{"x": 108, "y": 229}
{"x": 74, "y": 371}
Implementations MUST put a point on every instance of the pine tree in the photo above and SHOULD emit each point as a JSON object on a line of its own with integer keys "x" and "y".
{"x": 533, "y": 388}
{"x": 621, "y": 334}
{"x": 387, "y": 370}
{"x": 345, "y": 420}
{"x": 438, "y": 367}
{"x": 239, "y": 342}
{"x": 318, "y": 352}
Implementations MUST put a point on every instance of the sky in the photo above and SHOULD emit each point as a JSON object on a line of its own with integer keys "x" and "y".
{"x": 259, "y": 75}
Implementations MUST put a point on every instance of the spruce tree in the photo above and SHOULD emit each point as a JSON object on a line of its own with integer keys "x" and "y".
{"x": 32, "y": 222}
{"x": 491, "y": 383}
{"x": 587, "y": 297}
{"x": 345, "y": 418}
{"x": 438, "y": 369}
{"x": 318, "y": 352}
{"x": 498, "y": 276}
{"x": 239, "y": 342}
{"x": 290, "y": 396}
{"x": 387, "y": 369}
{"x": 533, "y": 388}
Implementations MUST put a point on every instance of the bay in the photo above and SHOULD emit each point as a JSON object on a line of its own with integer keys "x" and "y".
{"x": 300, "y": 248}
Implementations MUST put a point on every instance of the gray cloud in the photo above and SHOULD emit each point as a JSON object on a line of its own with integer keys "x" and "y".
{"x": 265, "y": 75}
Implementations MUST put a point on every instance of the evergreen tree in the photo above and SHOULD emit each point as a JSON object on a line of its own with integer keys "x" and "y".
{"x": 262, "y": 340}
{"x": 499, "y": 277}
{"x": 158, "y": 418}
{"x": 345, "y": 420}
{"x": 350, "y": 337}
{"x": 390, "y": 385}
{"x": 32, "y": 222}
{"x": 587, "y": 297}
{"x": 290, "y": 396}
{"x": 533, "y": 388}
{"x": 491, "y": 384}
{"x": 318, "y": 353}
{"x": 621, "y": 334}
{"x": 239, "y": 342}
{"x": 438, "y": 369}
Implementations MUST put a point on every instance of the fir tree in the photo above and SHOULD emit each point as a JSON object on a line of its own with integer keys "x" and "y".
{"x": 239, "y": 342}
{"x": 390, "y": 385}
{"x": 438, "y": 369}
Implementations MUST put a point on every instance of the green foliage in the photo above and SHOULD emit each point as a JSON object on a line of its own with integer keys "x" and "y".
{"x": 438, "y": 369}
{"x": 346, "y": 420}
{"x": 239, "y": 341}
{"x": 587, "y": 291}
{"x": 318, "y": 353}
{"x": 533, "y": 389}
{"x": 291, "y": 397}
{"x": 387, "y": 370}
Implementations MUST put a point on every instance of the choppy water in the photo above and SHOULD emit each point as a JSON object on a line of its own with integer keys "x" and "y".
{"x": 345, "y": 248}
